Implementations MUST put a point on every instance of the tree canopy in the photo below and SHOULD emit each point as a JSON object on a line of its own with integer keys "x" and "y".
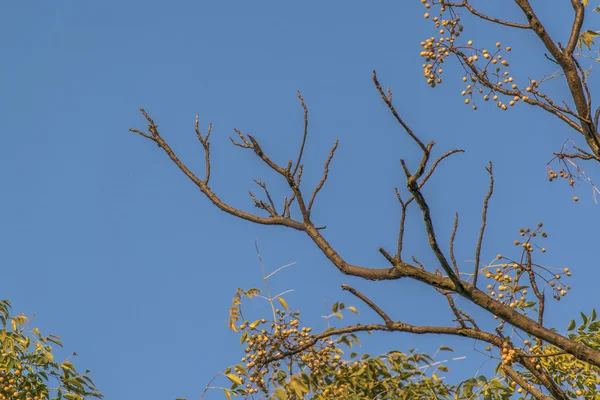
{"x": 285, "y": 359}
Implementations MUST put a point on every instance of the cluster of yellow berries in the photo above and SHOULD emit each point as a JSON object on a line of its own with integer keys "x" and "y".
{"x": 508, "y": 353}
{"x": 436, "y": 49}
{"x": 504, "y": 286}
{"x": 529, "y": 236}
{"x": 264, "y": 349}
{"x": 562, "y": 174}
{"x": 506, "y": 276}
{"x": 16, "y": 385}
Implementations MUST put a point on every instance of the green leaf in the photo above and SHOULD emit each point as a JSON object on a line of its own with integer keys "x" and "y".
{"x": 243, "y": 337}
{"x": 593, "y": 316}
{"x": 571, "y": 325}
{"x": 335, "y": 307}
{"x": 445, "y": 348}
{"x": 584, "y": 318}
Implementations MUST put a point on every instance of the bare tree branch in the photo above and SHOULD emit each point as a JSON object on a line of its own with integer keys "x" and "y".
{"x": 452, "y": 236}
{"x": 515, "y": 376}
{"x": 483, "y": 223}
{"x": 388, "y": 100}
{"x": 206, "y": 145}
{"x": 325, "y": 174}
{"x": 304, "y": 135}
{"x": 388, "y": 321}
{"x": 271, "y": 204}
{"x": 472, "y": 10}
{"x": 402, "y": 222}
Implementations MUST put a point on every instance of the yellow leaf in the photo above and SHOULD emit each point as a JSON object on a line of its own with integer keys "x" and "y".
{"x": 353, "y": 309}
{"x": 280, "y": 394}
{"x": 587, "y": 38}
{"x": 254, "y": 324}
{"x": 298, "y": 386}
{"x": 585, "y": 2}
{"x": 283, "y": 303}
{"x": 234, "y": 378}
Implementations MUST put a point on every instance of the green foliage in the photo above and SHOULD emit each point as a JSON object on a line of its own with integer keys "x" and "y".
{"x": 286, "y": 361}
{"x": 27, "y": 367}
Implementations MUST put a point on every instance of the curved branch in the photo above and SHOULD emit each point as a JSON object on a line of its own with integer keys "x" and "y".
{"x": 472, "y": 10}
{"x": 483, "y": 223}
{"x": 579, "y": 9}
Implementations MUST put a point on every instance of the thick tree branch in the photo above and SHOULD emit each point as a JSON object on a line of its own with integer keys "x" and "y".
{"x": 565, "y": 60}
{"x": 579, "y": 9}
{"x": 515, "y": 376}
{"x": 395, "y": 327}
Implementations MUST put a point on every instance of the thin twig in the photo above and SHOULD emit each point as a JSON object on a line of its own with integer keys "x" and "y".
{"x": 304, "y": 135}
{"x": 325, "y": 174}
{"x": 472, "y": 10}
{"x": 206, "y": 145}
{"x": 452, "y": 236}
{"x": 264, "y": 186}
{"x": 388, "y": 100}
{"x": 388, "y": 321}
{"x": 402, "y": 223}
{"x": 483, "y": 223}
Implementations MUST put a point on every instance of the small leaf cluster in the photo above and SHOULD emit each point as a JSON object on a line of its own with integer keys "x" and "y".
{"x": 580, "y": 378}
{"x": 27, "y": 367}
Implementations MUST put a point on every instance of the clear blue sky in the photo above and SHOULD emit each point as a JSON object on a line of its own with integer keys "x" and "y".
{"x": 114, "y": 250}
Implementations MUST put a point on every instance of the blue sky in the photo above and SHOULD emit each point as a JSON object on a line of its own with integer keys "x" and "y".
{"x": 114, "y": 250}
